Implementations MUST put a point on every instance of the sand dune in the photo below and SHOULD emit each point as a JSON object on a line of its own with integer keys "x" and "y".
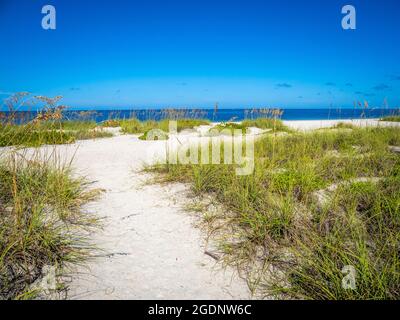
{"x": 149, "y": 246}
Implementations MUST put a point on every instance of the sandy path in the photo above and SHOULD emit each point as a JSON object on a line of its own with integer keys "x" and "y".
{"x": 151, "y": 248}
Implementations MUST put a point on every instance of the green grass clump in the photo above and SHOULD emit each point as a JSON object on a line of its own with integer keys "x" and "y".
{"x": 111, "y": 123}
{"x": 266, "y": 123}
{"x": 67, "y": 125}
{"x": 134, "y": 126}
{"x": 37, "y": 134}
{"x": 32, "y": 136}
{"x": 77, "y": 129}
{"x": 90, "y": 134}
{"x": 154, "y": 135}
{"x": 228, "y": 128}
{"x": 361, "y": 230}
{"x": 343, "y": 125}
{"x": 275, "y": 125}
{"x": 186, "y": 123}
{"x": 308, "y": 243}
{"x": 391, "y": 119}
{"x": 40, "y": 217}
{"x": 49, "y": 126}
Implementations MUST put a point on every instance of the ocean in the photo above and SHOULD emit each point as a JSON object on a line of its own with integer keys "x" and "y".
{"x": 221, "y": 114}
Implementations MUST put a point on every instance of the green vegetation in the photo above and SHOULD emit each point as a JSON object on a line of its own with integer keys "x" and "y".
{"x": 90, "y": 134}
{"x": 315, "y": 203}
{"x": 227, "y": 128}
{"x": 67, "y": 125}
{"x": 28, "y": 135}
{"x": 40, "y": 221}
{"x": 37, "y": 134}
{"x": 391, "y": 119}
{"x": 111, "y": 123}
{"x": 153, "y": 135}
{"x": 266, "y": 123}
{"x": 184, "y": 124}
{"x": 343, "y": 125}
{"x": 134, "y": 126}
{"x": 274, "y": 125}
{"x": 47, "y": 127}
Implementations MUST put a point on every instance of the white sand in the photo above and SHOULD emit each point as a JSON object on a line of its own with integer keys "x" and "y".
{"x": 152, "y": 250}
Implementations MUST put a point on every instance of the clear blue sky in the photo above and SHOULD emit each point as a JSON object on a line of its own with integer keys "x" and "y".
{"x": 154, "y": 53}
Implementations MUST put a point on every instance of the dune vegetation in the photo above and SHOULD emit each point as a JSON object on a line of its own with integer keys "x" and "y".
{"x": 37, "y": 134}
{"x": 154, "y": 135}
{"x": 318, "y": 206}
{"x": 135, "y": 126}
{"x": 41, "y": 221}
{"x": 49, "y": 132}
{"x": 270, "y": 124}
{"x": 275, "y": 124}
{"x": 47, "y": 127}
{"x": 391, "y": 118}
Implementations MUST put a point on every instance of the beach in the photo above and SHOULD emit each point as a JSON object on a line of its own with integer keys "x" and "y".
{"x": 217, "y": 151}
{"x": 150, "y": 245}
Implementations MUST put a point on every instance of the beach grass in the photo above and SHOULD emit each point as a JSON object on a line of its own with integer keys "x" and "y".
{"x": 37, "y": 134}
{"x": 67, "y": 125}
{"x": 41, "y": 217}
{"x": 135, "y": 126}
{"x": 31, "y": 136}
{"x": 317, "y": 206}
{"x": 276, "y": 125}
{"x": 154, "y": 135}
{"x": 40, "y": 222}
{"x": 227, "y": 128}
{"x": 111, "y": 123}
{"x": 343, "y": 125}
{"x": 271, "y": 124}
{"x": 49, "y": 126}
{"x": 391, "y": 119}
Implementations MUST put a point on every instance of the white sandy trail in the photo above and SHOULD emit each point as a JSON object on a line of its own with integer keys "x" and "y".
{"x": 151, "y": 248}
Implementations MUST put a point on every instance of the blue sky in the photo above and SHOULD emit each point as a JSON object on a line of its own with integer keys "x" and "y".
{"x": 245, "y": 53}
